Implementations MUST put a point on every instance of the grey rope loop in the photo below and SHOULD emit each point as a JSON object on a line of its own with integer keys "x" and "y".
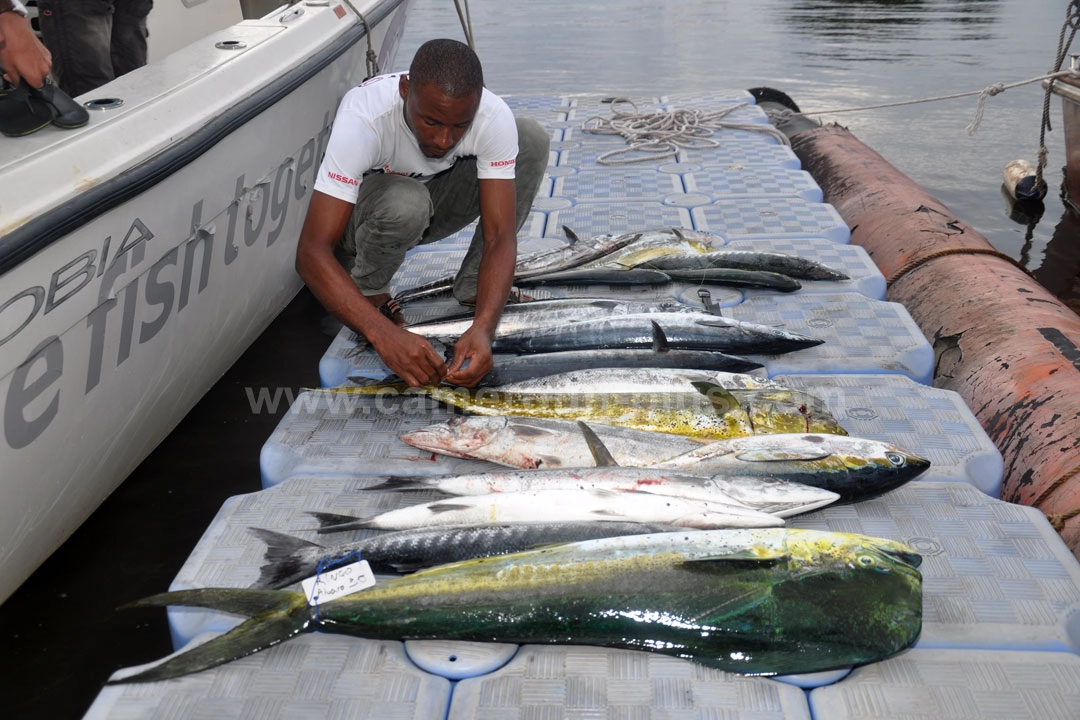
{"x": 1072, "y": 21}
{"x": 662, "y": 133}
{"x": 371, "y": 58}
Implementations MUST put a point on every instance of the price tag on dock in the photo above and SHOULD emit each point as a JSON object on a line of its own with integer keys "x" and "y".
{"x": 332, "y": 584}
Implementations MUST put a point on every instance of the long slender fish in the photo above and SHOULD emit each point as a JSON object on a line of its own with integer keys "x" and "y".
{"x": 537, "y": 313}
{"x": 734, "y": 277}
{"x": 574, "y": 253}
{"x": 690, "y": 331}
{"x": 792, "y": 266}
{"x": 536, "y": 506}
{"x": 759, "y": 602}
{"x": 290, "y": 559}
{"x": 856, "y": 468}
{"x": 775, "y": 497}
{"x": 598, "y": 275}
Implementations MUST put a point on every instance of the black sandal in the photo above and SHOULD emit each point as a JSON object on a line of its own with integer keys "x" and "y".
{"x": 20, "y": 112}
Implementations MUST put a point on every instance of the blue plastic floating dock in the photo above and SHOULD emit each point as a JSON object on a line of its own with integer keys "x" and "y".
{"x": 311, "y": 676}
{"x": 1001, "y": 592}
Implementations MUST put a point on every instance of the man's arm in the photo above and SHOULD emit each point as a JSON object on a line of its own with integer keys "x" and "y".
{"x": 498, "y": 218}
{"x": 407, "y": 354}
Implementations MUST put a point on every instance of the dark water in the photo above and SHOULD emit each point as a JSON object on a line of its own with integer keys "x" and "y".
{"x": 826, "y": 54}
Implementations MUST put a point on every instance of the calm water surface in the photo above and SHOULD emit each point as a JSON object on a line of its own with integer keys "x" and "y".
{"x": 826, "y": 54}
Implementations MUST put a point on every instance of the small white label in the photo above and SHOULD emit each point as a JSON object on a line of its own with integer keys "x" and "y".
{"x": 338, "y": 582}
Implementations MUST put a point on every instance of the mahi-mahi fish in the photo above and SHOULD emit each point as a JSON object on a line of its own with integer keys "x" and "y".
{"x": 856, "y": 468}
{"x": 760, "y": 602}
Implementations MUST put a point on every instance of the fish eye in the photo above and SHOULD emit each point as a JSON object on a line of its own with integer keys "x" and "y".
{"x": 896, "y": 459}
{"x": 865, "y": 560}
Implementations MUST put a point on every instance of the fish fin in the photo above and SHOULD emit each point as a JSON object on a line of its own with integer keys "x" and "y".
{"x": 659, "y": 339}
{"x": 441, "y": 507}
{"x": 330, "y": 519}
{"x": 678, "y": 233}
{"x": 242, "y": 601}
{"x": 398, "y": 482}
{"x": 601, "y": 455}
{"x": 778, "y": 454}
{"x": 283, "y": 565}
{"x": 278, "y": 621}
{"x": 367, "y": 382}
{"x": 570, "y": 235}
{"x": 721, "y": 398}
{"x": 734, "y": 604}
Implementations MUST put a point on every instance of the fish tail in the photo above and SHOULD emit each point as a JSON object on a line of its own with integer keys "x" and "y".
{"x": 276, "y": 616}
{"x": 332, "y": 522}
{"x": 399, "y": 482}
{"x": 285, "y": 561}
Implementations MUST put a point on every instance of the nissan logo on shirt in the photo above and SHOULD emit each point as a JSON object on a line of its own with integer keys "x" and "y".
{"x": 342, "y": 178}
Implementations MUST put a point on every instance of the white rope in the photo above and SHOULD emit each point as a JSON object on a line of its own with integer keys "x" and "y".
{"x": 995, "y": 89}
{"x": 661, "y": 133}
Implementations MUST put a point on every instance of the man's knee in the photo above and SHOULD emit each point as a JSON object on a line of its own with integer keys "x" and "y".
{"x": 395, "y": 205}
{"x": 534, "y": 144}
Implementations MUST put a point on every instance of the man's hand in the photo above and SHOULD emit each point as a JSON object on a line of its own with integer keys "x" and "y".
{"x": 408, "y": 355}
{"x": 474, "y": 345}
{"x": 21, "y": 54}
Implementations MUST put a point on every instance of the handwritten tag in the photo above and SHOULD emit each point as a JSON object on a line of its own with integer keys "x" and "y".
{"x": 332, "y": 584}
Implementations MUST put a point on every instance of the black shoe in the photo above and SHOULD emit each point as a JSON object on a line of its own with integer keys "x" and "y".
{"x": 67, "y": 113}
{"x": 20, "y": 112}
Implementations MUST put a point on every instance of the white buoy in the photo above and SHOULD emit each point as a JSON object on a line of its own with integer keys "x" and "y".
{"x": 1021, "y": 181}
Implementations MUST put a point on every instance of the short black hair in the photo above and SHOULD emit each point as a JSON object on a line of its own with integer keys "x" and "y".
{"x": 451, "y": 65}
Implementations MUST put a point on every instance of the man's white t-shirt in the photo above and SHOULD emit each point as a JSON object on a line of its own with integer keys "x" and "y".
{"x": 370, "y": 135}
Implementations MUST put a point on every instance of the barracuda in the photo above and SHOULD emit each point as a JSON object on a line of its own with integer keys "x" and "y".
{"x": 759, "y": 602}
{"x": 290, "y": 559}
{"x": 776, "y": 497}
{"x": 792, "y": 266}
{"x": 689, "y": 331}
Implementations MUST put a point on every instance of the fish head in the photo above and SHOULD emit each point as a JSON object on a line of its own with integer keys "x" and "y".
{"x": 821, "y": 551}
{"x": 885, "y": 462}
{"x": 459, "y": 436}
{"x": 862, "y": 593}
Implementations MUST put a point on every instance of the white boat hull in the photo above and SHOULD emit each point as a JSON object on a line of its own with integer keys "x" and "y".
{"x": 143, "y": 254}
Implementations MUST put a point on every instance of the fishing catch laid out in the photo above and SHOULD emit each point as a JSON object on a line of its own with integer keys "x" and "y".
{"x": 762, "y": 602}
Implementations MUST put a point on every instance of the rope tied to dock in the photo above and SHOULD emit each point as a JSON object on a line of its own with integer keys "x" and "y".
{"x": 1058, "y": 520}
{"x": 920, "y": 261}
{"x": 662, "y": 133}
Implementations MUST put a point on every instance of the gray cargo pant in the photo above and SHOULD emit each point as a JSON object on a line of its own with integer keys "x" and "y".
{"x": 93, "y": 41}
{"x": 395, "y": 213}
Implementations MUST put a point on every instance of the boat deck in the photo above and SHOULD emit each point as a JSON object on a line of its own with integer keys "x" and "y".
{"x": 1001, "y": 636}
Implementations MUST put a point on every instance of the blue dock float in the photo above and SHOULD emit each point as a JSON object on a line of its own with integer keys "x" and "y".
{"x": 1001, "y": 591}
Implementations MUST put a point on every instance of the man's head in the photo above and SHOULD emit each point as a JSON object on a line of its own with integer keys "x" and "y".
{"x": 442, "y": 94}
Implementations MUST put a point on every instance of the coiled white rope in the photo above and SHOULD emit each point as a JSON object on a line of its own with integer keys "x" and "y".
{"x": 661, "y": 133}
